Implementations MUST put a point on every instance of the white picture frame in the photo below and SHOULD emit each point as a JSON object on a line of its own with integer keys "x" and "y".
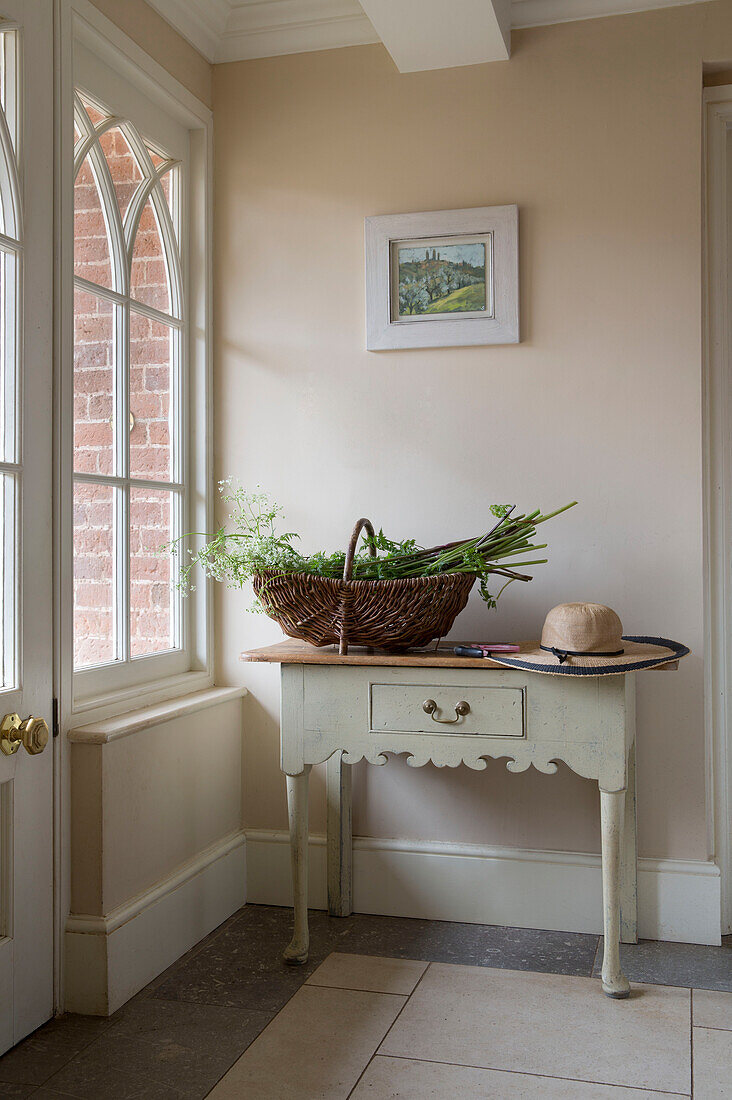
{"x": 487, "y": 235}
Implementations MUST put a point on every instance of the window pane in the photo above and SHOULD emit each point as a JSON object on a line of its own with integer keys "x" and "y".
{"x": 6, "y": 40}
{"x": 8, "y": 357}
{"x": 8, "y": 575}
{"x": 94, "y": 560}
{"x": 123, "y": 167}
{"x": 7, "y": 371}
{"x": 9, "y": 82}
{"x": 149, "y": 275}
{"x": 151, "y": 573}
{"x": 91, "y": 243}
{"x": 93, "y": 384}
{"x": 166, "y": 182}
{"x": 94, "y": 113}
{"x": 9, "y": 212}
{"x": 151, "y": 359}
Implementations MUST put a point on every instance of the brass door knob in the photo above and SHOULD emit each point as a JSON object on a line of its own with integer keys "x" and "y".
{"x": 30, "y": 732}
{"x": 34, "y": 732}
{"x": 10, "y": 739}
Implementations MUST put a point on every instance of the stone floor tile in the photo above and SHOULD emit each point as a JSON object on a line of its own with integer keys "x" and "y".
{"x": 87, "y": 1078}
{"x": 238, "y": 970}
{"x": 406, "y": 1079}
{"x": 242, "y": 967}
{"x": 368, "y": 972}
{"x": 317, "y": 1046}
{"x": 49, "y": 1048}
{"x": 712, "y": 1064}
{"x": 178, "y": 1046}
{"x": 46, "y": 1094}
{"x": 43, "y": 1093}
{"x": 200, "y": 946}
{"x": 547, "y": 1024}
{"x": 467, "y": 944}
{"x": 540, "y": 950}
{"x": 688, "y": 964}
{"x": 711, "y": 1008}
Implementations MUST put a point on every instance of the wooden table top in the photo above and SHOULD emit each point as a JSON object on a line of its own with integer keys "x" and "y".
{"x": 294, "y": 652}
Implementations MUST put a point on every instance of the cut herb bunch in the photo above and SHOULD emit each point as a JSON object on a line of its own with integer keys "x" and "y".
{"x": 252, "y": 547}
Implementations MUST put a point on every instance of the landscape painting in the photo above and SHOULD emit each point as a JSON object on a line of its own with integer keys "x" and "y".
{"x": 442, "y": 278}
{"x": 438, "y": 278}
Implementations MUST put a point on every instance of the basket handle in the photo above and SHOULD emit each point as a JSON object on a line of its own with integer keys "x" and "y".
{"x": 351, "y": 552}
{"x": 348, "y": 573}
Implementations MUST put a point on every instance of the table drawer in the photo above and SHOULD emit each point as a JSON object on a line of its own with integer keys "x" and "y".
{"x": 408, "y": 708}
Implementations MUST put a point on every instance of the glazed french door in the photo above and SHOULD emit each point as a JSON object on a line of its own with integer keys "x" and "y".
{"x": 26, "y": 388}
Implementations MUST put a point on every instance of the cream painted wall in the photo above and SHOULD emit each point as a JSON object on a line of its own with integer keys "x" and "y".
{"x": 594, "y": 129}
{"x": 156, "y": 36}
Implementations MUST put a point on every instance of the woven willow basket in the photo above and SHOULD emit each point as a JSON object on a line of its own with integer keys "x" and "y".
{"x": 386, "y": 614}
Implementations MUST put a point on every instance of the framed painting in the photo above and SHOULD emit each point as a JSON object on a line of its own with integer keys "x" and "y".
{"x": 448, "y": 278}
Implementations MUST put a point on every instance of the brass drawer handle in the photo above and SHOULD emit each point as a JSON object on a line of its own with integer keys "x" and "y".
{"x": 461, "y": 709}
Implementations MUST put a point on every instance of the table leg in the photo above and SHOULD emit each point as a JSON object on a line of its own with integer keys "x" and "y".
{"x": 629, "y": 862}
{"x": 612, "y": 806}
{"x": 296, "y": 952}
{"x": 340, "y": 843}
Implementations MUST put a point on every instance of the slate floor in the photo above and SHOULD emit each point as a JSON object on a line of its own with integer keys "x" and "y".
{"x": 179, "y": 1036}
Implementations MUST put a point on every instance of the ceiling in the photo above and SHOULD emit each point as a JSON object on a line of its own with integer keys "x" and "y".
{"x": 235, "y": 30}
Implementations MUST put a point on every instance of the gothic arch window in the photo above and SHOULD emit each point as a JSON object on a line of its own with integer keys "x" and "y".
{"x": 129, "y": 348}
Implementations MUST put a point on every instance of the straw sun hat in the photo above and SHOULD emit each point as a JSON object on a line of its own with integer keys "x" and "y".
{"x": 586, "y": 639}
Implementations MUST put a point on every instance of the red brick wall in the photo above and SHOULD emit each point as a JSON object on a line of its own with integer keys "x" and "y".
{"x": 91, "y": 249}
{"x": 93, "y": 574}
{"x": 150, "y": 573}
{"x": 150, "y": 445}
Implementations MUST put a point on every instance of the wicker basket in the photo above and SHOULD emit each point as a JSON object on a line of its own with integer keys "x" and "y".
{"x": 386, "y": 614}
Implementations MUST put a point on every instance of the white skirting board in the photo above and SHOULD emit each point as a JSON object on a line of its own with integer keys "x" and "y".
{"x": 678, "y": 899}
{"x": 109, "y": 959}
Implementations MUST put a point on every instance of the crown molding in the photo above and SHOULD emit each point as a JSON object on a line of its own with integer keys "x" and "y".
{"x": 238, "y": 30}
{"x": 202, "y": 22}
{"x": 267, "y": 28}
{"x": 537, "y": 13}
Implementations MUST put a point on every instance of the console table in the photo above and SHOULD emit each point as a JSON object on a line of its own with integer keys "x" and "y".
{"x": 435, "y": 706}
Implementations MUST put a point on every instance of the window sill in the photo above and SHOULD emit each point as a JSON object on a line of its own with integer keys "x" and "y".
{"x": 109, "y": 704}
{"x": 102, "y": 731}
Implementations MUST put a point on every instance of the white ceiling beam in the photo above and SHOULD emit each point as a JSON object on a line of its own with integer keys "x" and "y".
{"x": 433, "y": 34}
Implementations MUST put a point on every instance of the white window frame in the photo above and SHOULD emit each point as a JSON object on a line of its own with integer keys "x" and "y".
{"x": 718, "y": 482}
{"x": 116, "y": 687}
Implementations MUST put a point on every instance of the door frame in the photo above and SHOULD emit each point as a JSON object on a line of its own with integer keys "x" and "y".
{"x": 72, "y": 19}
{"x": 717, "y": 440}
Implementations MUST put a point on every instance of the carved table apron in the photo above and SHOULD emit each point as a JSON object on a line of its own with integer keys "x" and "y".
{"x": 342, "y": 710}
